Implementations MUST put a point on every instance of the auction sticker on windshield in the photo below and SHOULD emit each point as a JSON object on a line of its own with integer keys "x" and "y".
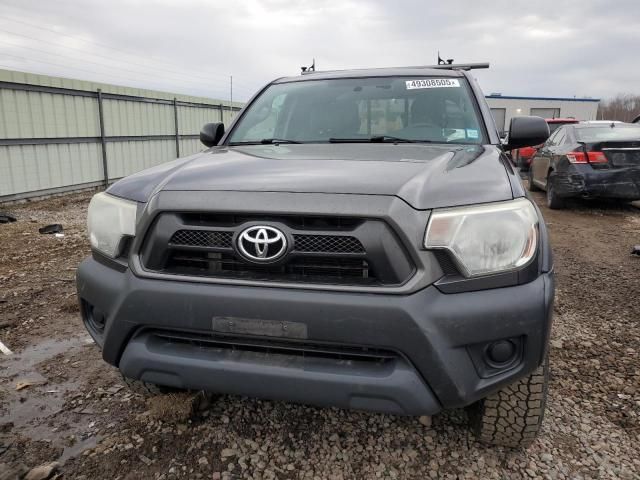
{"x": 432, "y": 83}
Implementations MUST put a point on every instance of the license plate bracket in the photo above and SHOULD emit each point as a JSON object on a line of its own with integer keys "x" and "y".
{"x": 259, "y": 328}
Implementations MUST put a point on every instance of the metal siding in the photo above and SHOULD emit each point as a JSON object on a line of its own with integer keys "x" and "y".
{"x": 44, "y": 115}
{"x": 124, "y": 118}
{"x": 8, "y": 126}
{"x": 26, "y": 114}
{"x": 29, "y": 168}
{"x": 581, "y": 110}
{"x": 191, "y": 120}
{"x": 125, "y": 158}
{"x": 189, "y": 146}
{"x": 499, "y": 118}
{"x": 228, "y": 116}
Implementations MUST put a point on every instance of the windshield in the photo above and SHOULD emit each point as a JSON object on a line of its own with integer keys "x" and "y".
{"x": 362, "y": 109}
{"x": 608, "y": 133}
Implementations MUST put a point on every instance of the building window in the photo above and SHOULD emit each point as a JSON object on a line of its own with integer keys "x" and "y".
{"x": 546, "y": 112}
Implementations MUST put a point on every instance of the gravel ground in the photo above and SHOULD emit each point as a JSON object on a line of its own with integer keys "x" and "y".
{"x": 73, "y": 409}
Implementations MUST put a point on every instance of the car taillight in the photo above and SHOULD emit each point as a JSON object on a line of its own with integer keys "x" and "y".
{"x": 588, "y": 157}
{"x": 527, "y": 152}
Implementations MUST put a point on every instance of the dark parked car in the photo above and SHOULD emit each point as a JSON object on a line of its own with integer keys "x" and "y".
{"x": 522, "y": 156}
{"x": 355, "y": 238}
{"x": 589, "y": 160}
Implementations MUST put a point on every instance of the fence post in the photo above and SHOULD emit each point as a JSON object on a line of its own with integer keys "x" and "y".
{"x": 175, "y": 117}
{"x": 103, "y": 141}
{"x": 221, "y": 113}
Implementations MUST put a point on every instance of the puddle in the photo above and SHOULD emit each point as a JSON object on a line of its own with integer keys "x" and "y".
{"x": 23, "y": 361}
{"x": 77, "y": 448}
{"x": 31, "y": 409}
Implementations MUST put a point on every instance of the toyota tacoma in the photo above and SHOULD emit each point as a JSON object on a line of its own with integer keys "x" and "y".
{"x": 354, "y": 239}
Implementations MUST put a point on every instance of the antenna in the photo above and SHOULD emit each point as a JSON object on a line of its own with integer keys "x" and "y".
{"x": 449, "y": 61}
{"x": 309, "y": 69}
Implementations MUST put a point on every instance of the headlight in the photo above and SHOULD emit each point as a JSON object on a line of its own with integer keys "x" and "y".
{"x": 486, "y": 239}
{"x": 109, "y": 221}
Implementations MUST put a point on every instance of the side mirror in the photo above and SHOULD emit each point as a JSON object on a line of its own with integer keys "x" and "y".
{"x": 636, "y": 120}
{"x": 211, "y": 134}
{"x": 526, "y": 132}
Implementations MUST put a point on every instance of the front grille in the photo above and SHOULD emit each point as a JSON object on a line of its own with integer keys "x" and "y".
{"x": 277, "y": 346}
{"x": 327, "y": 243}
{"x": 302, "y": 243}
{"x": 298, "y": 269}
{"x": 328, "y": 250}
{"x": 202, "y": 238}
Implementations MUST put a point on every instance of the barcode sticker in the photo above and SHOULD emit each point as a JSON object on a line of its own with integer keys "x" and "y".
{"x": 432, "y": 83}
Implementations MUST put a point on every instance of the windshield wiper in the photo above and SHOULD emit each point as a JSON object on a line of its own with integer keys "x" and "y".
{"x": 264, "y": 141}
{"x": 389, "y": 138}
{"x": 270, "y": 141}
{"x": 377, "y": 139}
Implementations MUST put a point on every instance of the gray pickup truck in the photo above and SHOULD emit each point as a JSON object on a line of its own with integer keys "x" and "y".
{"x": 354, "y": 238}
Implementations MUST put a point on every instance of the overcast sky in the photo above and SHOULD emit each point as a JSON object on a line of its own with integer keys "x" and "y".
{"x": 535, "y": 47}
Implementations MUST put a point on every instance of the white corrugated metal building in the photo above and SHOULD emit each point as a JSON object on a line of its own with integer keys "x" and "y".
{"x": 505, "y": 107}
{"x": 60, "y": 134}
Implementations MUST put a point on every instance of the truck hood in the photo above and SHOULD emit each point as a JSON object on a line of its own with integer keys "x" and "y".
{"x": 424, "y": 176}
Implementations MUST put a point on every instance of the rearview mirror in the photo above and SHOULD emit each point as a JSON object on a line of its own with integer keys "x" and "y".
{"x": 526, "y": 132}
{"x": 211, "y": 134}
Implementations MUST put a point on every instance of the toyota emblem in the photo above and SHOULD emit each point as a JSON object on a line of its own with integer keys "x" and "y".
{"x": 262, "y": 243}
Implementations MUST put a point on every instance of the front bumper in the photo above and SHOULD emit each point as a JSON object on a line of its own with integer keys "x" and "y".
{"x": 437, "y": 339}
{"x": 585, "y": 181}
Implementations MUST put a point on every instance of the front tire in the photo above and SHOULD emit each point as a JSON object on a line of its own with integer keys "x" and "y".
{"x": 553, "y": 200}
{"x": 512, "y": 417}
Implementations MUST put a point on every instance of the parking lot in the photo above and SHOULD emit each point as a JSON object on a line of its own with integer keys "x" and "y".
{"x": 61, "y": 403}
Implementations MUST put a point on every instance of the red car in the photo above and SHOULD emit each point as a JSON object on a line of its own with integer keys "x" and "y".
{"x": 522, "y": 156}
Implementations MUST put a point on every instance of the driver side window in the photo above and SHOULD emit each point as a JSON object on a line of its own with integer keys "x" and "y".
{"x": 267, "y": 119}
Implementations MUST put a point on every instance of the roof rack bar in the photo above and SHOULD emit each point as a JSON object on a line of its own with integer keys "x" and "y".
{"x": 447, "y": 66}
{"x": 455, "y": 66}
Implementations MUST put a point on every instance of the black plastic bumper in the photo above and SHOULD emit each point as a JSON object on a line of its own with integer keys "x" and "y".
{"x": 438, "y": 339}
{"x": 585, "y": 181}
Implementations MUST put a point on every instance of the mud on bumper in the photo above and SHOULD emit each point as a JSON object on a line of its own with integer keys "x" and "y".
{"x": 404, "y": 354}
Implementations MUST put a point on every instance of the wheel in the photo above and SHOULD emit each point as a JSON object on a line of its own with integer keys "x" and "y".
{"x": 532, "y": 187}
{"x": 553, "y": 200}
{"x": 146, "y": 389}
{"x": 512, "y": 417}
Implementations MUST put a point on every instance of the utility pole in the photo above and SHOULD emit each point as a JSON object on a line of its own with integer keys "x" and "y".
{"x": 231, "y": 93}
